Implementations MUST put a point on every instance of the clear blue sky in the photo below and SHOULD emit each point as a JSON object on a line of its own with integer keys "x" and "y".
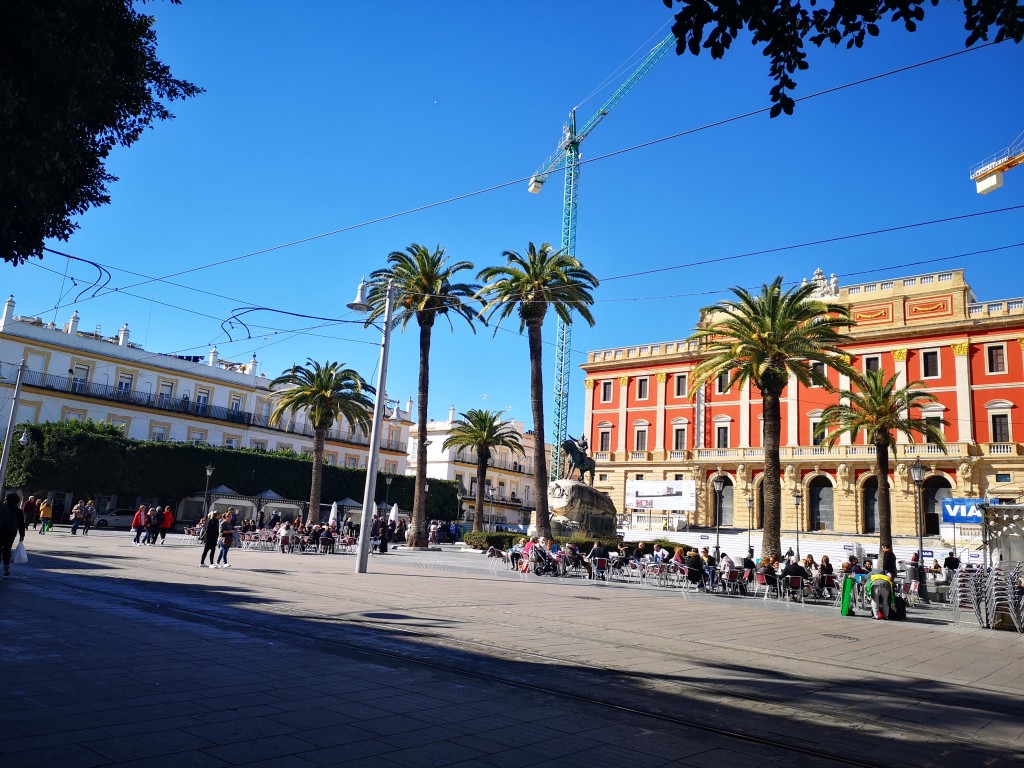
{"x": 319, "y": 116}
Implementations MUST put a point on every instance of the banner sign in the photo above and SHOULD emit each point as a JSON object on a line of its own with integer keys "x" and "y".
{"x": 675, "y": 495}
{"x": 962, "y": 511}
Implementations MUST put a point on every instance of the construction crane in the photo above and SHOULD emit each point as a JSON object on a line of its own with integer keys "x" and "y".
{"x": 988, "y": 174}
{"x": 567, "y": 156}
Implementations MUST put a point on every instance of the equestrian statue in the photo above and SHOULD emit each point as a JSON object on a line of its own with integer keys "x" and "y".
{"x": 576, "y": 450}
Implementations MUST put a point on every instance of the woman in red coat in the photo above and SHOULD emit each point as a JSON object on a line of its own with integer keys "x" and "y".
{"x": 166, "y": 524}
{"x": 139, "y": 524}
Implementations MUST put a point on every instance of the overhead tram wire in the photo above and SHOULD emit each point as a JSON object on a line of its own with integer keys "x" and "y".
{"x": 513, "y": 182}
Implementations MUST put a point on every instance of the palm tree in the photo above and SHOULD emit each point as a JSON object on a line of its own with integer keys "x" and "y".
{"x": 530, "y": 285}
{"x": 424, "y": 289}
{"x": 764, "y": 339}
{"x": 879, "y": 407}
{"x": 481, "y": 431}
{"x": 325, "y": 393}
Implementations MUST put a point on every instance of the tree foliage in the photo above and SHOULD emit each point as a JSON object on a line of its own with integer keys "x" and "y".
{"x": 77, "y": 78}
{"x": 783, "y": 26}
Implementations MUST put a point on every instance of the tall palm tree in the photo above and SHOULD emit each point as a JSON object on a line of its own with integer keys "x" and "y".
{"x": 481, "y": 431}
{"x": 425, "y": 288}
{"x": 325, "y": 393}
{"x": 764, "y": 339}
{"x": 880, "y": 408}
{"x": 530, "y": 285}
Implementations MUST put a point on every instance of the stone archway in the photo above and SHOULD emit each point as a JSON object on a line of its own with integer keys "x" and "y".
{"x": 820, "y": 504}
{"x": 869, "y": 505}
{"x": 935, "y": 489}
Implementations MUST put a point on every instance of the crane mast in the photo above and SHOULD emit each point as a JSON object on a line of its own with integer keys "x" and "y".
{"x": 567, "y": 156}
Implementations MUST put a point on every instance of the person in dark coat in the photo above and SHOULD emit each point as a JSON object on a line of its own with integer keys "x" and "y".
{"x": 12, "y": 523}
{"x": 210, "y": 536}
{"x": 889, "y": 562}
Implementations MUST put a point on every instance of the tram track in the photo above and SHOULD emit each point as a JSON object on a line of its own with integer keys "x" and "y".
{"x": 363, "y": 635}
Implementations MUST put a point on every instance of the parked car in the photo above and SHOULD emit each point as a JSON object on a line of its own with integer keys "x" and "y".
{"x": 114, "y": 518}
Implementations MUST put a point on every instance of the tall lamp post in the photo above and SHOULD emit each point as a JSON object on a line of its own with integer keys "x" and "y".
{"x": 10, "y": 426}
{"x": 359, "y": 304}
{"x": 797, "y": 498}
{"x": 917, "y": 470}
{"x": 206, "y": 493}
{"x": 750, "y": 523}
{"x": 719, "y": 483}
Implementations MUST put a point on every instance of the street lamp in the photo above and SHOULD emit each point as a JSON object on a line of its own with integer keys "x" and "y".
{"x": 206, "y": 493}
{"x": 719, "y": 483}
{"x": 387, "y": 490}
{"x": 9, "y": 434}
{"x": 750, "y": 522}
{"x": 359, "y": 304}
{"x": 917, "y": 470}
{"x": 797, "y": 498}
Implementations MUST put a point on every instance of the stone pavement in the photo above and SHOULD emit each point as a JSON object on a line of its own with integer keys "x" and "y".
{"x": 122, "y": 655}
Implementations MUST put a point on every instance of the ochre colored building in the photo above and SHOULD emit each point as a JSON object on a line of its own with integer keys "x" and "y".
{"x": 643, "y": 423}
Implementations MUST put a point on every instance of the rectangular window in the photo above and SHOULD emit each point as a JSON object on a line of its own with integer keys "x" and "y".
{"x": 817, "y": 438}
{"x": 678, "y": 477}
{"x": 641, "y": 389}
{"x": 236, "y": 403}
{"x": 722, "y": 382}
{"x": 124, "y": 383}
{"x": 996, "y": 355}
{"x": 197, "y": 436}
{"x": 202, "y": 401}
{"x": 641, "y": 440}
{"x": 872, "y": 364}
{"x": 230, "y": 442}
{"x": 158, "y": 433}
{"x": 604, "y": 440}
{"x": 602, "y": 477}
{"x": 80, "y": 378}
{"x": 638, "y": 476}
{"x": 818, "y": 369}
{"x": 935, "y": 421}
{"x": 1002, "y": 477}
{"x": 681, "y": 385}
{"x": 259, "y": 445}
{"x": 930, "y": 364}
{"x": 352, "y": 462}
{"x": 118, "y": 422}
{"x": 1000, "y": 428}
{"x": 165, "y": 393}
{"x": 679, "y": 439}
{"x": 721, "y": 437}
{"x": 606, "y": 391}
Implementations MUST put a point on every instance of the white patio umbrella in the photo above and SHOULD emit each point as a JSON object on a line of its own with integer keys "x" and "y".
{"x": 393, "y": 517}
{"x": 332, "y": 521}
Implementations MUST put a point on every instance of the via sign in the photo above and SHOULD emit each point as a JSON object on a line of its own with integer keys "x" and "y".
{"x": 962, "y": 511}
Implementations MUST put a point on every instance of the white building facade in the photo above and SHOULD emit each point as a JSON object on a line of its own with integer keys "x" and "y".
{"x": 76, "y": 375}
{"x": 510, "y": 492}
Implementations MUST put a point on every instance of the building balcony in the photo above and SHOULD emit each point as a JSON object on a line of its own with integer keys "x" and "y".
{"x": 185, "y": 407}
{"x": 510, "y": 466}
{"x": 493, "y": 498}
{"x": 1001, "y": 449}
{"x": 810, "y": 452}
{"x": 639, "y": 455}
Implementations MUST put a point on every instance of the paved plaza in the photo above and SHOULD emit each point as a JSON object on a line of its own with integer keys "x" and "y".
{"x": 124, "y": 655}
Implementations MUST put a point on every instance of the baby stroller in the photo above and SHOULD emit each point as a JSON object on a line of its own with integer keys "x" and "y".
{"x": 543, "y": 563}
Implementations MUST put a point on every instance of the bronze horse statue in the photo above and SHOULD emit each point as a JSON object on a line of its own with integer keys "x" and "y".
{"x": 578, "y": 460}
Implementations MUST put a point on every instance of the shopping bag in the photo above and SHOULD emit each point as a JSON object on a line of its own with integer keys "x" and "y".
{"x": 20, "y": 556}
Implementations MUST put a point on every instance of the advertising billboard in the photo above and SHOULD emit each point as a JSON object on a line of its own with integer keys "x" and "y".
{"x": 673, "y": 495}
{"x": 962, "y": 511}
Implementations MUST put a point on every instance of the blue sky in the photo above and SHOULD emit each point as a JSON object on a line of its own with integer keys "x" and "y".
{"x": 320, "y": 116}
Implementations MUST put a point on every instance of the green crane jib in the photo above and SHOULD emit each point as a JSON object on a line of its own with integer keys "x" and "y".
{"x": 567, "y": 156}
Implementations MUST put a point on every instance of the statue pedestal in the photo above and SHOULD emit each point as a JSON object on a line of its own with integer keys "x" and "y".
{"x": 578, "y": 508}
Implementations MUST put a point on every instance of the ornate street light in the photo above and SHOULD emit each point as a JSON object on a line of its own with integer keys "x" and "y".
{"x": 750, "y": 523}
{"x": 917, "y": 472}
{"x": 797, "y": 498}
{"x": 719, "y": 483}
{"x": 206, "y": 493}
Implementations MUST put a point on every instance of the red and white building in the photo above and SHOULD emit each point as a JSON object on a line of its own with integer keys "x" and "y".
{"x": 642, "y": 423}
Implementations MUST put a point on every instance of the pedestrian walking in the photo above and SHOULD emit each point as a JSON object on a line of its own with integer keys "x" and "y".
{"x": 31, "y": 510}
{"x": 12, "y": 523}
{"x": 76, "y": 517}
{"x": 88, "y": 517}
{"x": 45, "y": 516}
{"x": 153, "y": 518}
{"x": 227, "y": 537}
{"x": 139, "y": 524}
{"x": 166, "y": 523}
{"x": 211, "y": 533}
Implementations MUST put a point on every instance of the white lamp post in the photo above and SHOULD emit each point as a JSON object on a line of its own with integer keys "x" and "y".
{"x": 359, "y": 304}
{"x": 10, "y": 426}
{"x": 206, "y": 493}
{"x": 750, "y": 523}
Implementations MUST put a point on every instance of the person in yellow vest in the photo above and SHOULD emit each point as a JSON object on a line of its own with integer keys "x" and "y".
{"x": 882, "y": 592}
{"x": 45, "y": 516}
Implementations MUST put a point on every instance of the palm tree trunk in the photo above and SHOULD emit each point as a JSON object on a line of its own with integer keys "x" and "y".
{"x": 417, "y": 536}
{"x": 481, "y": 475}
{"x": 316, "y": 479}
{"x": 771, "y": 540}
{"x": 540, "y": 463}
{"x": 884, "y": 497}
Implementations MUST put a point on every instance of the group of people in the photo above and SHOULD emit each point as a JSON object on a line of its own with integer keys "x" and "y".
{"x": 151, "y": 524}
{"x": 83, "y": 515}
{"x": 218, "y": 534}
{"x": 38, "y": 513}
